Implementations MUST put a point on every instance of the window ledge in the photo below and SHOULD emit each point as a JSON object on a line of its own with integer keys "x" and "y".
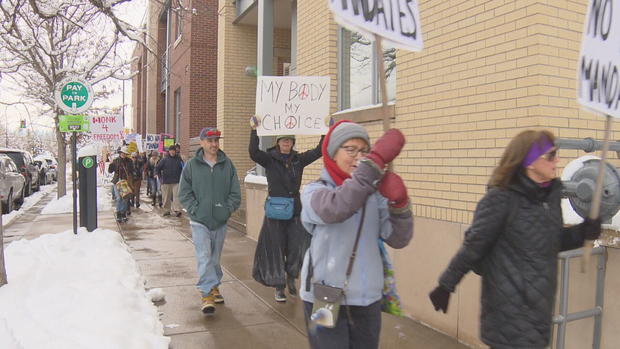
{"x": 368, "y": 113}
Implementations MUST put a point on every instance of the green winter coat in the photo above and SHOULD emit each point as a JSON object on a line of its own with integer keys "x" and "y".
{"x": 208, "y": 194}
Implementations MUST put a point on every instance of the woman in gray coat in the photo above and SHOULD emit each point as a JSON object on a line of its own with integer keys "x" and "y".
{"x": 513, "y": 243}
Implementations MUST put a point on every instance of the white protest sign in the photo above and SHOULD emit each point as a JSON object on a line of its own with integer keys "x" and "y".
{"x": 292, "y": 105}
{"x": 151, "y": 142}
{"x": 397, "y": 21}
{"x": 106, "y": 128}
{"x": 598, "y": 75}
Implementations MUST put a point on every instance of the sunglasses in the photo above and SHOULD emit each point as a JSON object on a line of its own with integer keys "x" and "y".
{"x": 550, "y": 156}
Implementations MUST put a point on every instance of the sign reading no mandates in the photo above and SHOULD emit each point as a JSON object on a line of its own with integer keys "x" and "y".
{"x": 74, "y": 95}
{"x": 598, "y": 75}
{"x": 395, "y": 20}
{"x": 292, "y": 105}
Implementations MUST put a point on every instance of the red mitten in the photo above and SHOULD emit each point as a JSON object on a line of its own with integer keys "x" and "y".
{"x": 393, "y": 188}
{"x": 387, "y": 147}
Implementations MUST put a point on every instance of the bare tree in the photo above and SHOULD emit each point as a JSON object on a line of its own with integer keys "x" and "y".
{"x": 42, "y": 42}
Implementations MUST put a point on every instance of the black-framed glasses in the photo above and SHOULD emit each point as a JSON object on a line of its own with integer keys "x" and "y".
{"x": 550, "y": 156}
{"x": 352, "y": 151}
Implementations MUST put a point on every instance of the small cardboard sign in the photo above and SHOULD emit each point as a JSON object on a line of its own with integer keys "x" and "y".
{"x": 292, "y": 105}
{"x": 598, "y": 69}
{"x": 398, "y": 21}
{"x": 107, "y": 128}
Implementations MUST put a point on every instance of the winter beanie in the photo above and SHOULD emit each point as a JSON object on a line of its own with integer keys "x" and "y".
{"x": 342, "y": 132}
{"x": 332, "y": 168}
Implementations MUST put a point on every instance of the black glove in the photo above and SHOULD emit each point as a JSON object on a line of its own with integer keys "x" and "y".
{"x": 591, "y": 228}
{"x": 440, "y": 298}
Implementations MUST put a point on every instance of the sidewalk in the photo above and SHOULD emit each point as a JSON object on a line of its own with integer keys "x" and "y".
{"x": 250, "y": 318}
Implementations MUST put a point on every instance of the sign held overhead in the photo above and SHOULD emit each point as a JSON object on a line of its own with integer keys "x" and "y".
{"x": 598, "y": 75}
{"x": 397, "y": 21}
{"x": 292, "y": 105}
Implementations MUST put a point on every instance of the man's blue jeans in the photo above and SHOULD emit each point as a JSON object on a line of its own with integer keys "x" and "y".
{"x": 208, "y": 244}
{"x": 121, "y": 204}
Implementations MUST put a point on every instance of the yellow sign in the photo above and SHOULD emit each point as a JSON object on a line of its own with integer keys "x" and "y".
{"x": 132, "y": 147}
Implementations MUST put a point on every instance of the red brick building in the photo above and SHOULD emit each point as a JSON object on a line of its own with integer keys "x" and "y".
{"x": 175, "y": 88}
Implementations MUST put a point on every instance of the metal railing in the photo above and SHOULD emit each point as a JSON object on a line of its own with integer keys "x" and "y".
{"x": 563, "y": 318}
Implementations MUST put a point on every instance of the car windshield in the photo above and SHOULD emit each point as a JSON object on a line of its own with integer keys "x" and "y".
{"x": 17, "y": 158}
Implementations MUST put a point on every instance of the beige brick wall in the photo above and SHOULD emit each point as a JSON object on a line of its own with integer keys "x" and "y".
{"x": 235, "y": 90}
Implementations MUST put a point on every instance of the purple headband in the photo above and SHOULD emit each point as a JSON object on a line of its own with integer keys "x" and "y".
{"x": 536, "y": 150}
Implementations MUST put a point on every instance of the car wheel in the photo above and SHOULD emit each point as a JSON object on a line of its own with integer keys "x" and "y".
{"x": 38, "y": 187}
{"x": 9, "y": 203}
{"x": 27, "y": 188}
{"x": 20, "y": 200}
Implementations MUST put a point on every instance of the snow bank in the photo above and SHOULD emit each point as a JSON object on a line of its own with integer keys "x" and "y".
{"x": 76, "y": 291}
{"x": 65, "y": 203}
{"x": 28, "y": 203}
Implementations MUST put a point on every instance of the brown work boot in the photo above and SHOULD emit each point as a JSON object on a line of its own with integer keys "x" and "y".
{"x": 208, "y": 305}
{"x": 217, "y": 296}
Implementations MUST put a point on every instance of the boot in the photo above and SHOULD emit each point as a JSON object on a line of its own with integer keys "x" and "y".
{"x": 119, "y": 217}
{"x": 280, "y": 296}
{"x": 124, "y": 216}
{"x": 154, "y": 197}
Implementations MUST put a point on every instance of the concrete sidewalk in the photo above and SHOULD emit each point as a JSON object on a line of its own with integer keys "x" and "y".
{"x": 250, "y": 317}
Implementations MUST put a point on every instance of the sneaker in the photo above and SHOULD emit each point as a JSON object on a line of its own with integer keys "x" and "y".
{"x": 280, "y": 296}
{"x": 290, "y": 284}
{"x": 217, "y": 296}
{"x": 166, "y": 214}
{"x": 208, "y": 305}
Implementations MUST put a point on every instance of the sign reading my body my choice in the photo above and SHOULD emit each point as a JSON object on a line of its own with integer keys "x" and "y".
{"x": 598, "y": 72}
{"x": 395, "y": 20}
{"x": 292, "y": 105}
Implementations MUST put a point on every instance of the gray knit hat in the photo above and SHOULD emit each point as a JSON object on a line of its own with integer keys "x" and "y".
{"x": 343, "y": 133}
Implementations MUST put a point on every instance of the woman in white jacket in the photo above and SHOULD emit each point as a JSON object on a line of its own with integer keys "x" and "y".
{"x": 354, "y": 192}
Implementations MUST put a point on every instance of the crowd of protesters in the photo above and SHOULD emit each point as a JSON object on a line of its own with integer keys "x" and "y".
{"x": 332, "y": 234}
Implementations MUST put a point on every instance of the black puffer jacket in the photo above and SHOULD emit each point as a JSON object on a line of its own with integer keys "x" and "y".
{"x": 519, "y": 262}
{"x": 283, "y": 177}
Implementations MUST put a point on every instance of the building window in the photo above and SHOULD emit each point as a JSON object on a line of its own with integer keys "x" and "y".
{"x": 177, "y": 114}
{"x": 179, "y": 24}
{"x": 358, "y": 78}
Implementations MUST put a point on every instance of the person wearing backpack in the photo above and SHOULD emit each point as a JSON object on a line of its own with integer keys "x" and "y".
{"x": 282, "y": 241}
{"x": 513, "y": 243}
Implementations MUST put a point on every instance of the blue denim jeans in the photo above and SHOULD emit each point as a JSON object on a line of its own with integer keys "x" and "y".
{"x": 121, "y": 204}
{"x": 208, "y": 244}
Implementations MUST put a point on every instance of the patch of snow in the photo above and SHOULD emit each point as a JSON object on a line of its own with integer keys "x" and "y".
{"x": 76, "y": 291}
{"x": 250, "y": 178}
{"x": 30, "y": 201}
{"x": 156, "y": 294}
{"x": 65, "y": 203}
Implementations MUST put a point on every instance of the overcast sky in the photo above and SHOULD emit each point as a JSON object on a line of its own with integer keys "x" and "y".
{"x": 133, "y": 12}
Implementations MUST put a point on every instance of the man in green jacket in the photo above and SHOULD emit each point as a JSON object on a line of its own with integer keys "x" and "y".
{"x": 209, "y": 190}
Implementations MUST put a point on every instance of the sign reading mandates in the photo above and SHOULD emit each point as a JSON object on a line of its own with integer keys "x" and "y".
{"x": 598, "y": 69}
{"x": 74, "y": 95}
{"x": 73, "y": 123}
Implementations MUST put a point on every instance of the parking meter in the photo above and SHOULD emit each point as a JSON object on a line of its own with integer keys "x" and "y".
{"x": 87, "y": 175}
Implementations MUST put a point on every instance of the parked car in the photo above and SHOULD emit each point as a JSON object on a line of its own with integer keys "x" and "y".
{"x": 12, "y": 184}
{"x": 45, "y": 175}
{"x": 26, "y": 166}
{"x": 53, "y": 165}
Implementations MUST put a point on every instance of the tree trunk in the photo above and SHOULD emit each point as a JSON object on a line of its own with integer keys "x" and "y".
{"x": 62, "y": 160}
{"x": 3, "y": 279}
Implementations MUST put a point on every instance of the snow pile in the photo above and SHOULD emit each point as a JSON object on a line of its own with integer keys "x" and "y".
{"x": 65, "y": 203}
{"x": 28, "y": 203}
{"x": 76, "y": 291}
{"x": 156, "y": 294}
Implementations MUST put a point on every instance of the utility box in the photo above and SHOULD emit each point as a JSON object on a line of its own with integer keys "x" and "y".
{"x": 87, "y": 175}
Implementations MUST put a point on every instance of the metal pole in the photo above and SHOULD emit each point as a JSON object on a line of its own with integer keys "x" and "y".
{"x": 74, "y": 175}
{"x": 596, "y": 200}
{"x": 600, "y": 295}
{"x": 563, "y": 304}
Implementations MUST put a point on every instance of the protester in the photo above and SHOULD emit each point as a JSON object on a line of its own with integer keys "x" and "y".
{"x": 352, "y": 207}
{"x": 168, "y": 171}
{"x": 138, "y": 164}
{"x": 513, "y": 243}
{"x": 210, "y": 193}
{"x": 123, "y": 169}
{"x": 154, "y": 188}
{"x": 282, "y": 242}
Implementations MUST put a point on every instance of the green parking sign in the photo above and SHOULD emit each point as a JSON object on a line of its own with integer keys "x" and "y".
{"x": 74, "y": 95}
{"x": 73, "y": 123}
{"x": 88, "y": 162}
